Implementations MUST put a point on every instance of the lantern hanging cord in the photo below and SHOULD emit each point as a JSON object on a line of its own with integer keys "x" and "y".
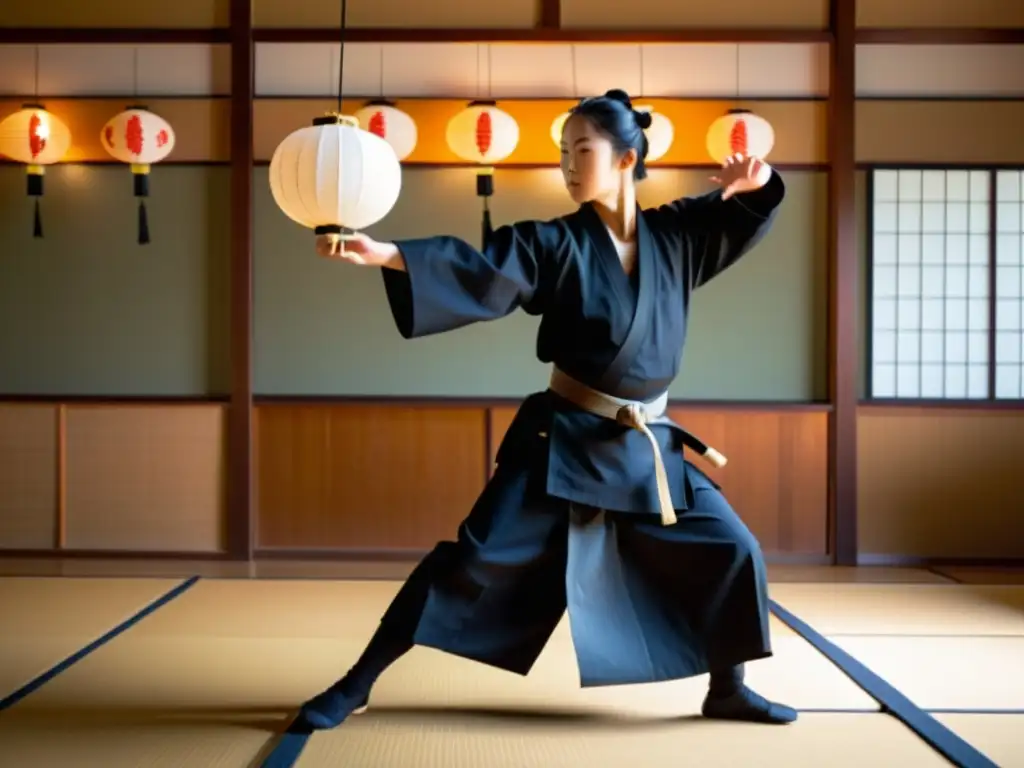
{"x": 341, "y": 60}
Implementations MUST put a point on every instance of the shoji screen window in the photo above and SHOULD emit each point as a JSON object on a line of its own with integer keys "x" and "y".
{"x": 930, "y": 284}
{"x": 1009, "y": 289}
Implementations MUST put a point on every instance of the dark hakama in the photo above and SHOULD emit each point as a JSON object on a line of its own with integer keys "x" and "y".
{"x": 570, "y": 517}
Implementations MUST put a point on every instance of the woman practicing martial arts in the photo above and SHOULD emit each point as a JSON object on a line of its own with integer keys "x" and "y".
{"x": 591, "y": 506}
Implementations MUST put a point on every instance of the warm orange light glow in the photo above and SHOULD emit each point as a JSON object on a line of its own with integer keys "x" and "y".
{"x": 34, "y": 136}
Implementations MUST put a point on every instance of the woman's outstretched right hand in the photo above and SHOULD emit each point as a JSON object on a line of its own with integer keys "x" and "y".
{"x": 359, "y": 249}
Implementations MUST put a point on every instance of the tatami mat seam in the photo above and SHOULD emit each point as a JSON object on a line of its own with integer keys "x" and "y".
{"x": 951, "y": 746}
{"x": 62, "y": 666}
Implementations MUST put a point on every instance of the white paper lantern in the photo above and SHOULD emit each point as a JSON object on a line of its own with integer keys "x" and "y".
{"x": 659, "y": 135}
{"x": 335, "y": 178}
{"x": 740, "y": 131}
{"x": 482, "y": 133}
{"x": 36, "y": 138}
{"x": 139, "y": 138}
{"x": 557, "y": 126}
{"x": 397, "y": 128}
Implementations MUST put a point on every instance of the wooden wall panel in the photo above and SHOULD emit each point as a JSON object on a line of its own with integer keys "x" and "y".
{"x": 94, "y": 70}
{"x": 405, "y": 14}
{"x": 940, "y": 71}
{"x": 145, "y": 478}
{"x": 777, "y": 475}
{"x": 538, "y": 70}
{"x": 947, "y": 14}
{"x": 671, "y": 14}
{"x": 366, "y": 476}
{"x": 953, "y": 132}
{"x": 180, "y": 14}
{"x": 940, "y": 483}
{"x": 28, "y": 476}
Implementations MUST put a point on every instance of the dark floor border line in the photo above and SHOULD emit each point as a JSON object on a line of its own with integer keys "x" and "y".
{"x": 931, "y": 731}
{"x": 936, "y": 571}
{"x": 80, "y": 654}
{"x": 285, "y": 752}
{"x": 980, "y": 711}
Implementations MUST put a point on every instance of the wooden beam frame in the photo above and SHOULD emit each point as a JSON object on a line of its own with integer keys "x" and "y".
{"x": 540, "y": 34}
{"x": 239, "y": 519}
{"x": 843, "y": 279}
{"x": 548, "y": 31}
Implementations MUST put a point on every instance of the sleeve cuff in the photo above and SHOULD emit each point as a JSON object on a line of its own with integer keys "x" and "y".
{"x": 762, "y": 202}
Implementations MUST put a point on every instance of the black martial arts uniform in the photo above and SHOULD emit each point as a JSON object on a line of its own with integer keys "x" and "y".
{"x": 569, "y": 519}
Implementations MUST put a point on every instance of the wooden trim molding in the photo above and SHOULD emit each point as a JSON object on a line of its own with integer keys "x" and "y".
{"x": 843, "y": 280}
{"x": 61, "y": 522}
{"x": 547, "y": 32}
{"x": 112, "y": 36}
{"x": 240, "y": 411}
{"x": 550, "y": 14}
{"x": 542, "y": 34}
{"x": 939, "y": 36}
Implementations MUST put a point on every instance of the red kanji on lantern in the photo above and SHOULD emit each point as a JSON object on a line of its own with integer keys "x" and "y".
{"x": 133, "y": 135}
{"x": 383, "y": 119}
{"x": 484, "y": 132}
{"x": 738, "y": 137}
{"x": 36, "y": 135}
{"x": 378, "y": 125}
{"x": 740, "y": 131}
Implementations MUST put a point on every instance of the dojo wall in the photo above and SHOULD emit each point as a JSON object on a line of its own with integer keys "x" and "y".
{"x": 367, "y": 442}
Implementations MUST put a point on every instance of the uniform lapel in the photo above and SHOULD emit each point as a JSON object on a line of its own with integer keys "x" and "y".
{"x": 641, "y": 305}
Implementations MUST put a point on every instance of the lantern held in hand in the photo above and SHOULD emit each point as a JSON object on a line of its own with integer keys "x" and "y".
{"x": 335, "y": 178}
{"x": 139, "y": 138}
{"x": 36, "y": 138}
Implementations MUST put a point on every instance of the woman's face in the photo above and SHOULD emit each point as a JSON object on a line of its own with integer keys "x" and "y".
{"x": 591, "y": 168}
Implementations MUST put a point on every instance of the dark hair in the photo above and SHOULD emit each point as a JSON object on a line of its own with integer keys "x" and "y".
{"x": 614, "y": 116}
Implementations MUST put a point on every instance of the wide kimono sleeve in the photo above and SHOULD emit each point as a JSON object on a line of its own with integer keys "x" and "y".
{"x": 716, "y": 233}
{"x": 448, "y": 284}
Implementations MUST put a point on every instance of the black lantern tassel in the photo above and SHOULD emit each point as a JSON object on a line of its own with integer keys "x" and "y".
{"x": 140, "y": 178}
{"x": 35, "y": 189}
{"x": 488, "y": 229}
{"x": 484, "y": 189}
{"x": 143, "y": 223}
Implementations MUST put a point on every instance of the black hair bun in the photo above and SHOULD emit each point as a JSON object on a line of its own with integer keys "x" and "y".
{"x": 643, "y": 119}
{"x": 619, "y": 95}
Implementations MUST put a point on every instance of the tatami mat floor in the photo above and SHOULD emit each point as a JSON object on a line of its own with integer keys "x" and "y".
{"x": 212, "y": 676}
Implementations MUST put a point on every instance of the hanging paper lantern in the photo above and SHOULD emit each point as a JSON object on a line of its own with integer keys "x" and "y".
{"x": 383, "y": 119}
{"x": 335, "y": 178}
{"x": 483, "y": 134}
{"x": 141, "y": 139}
{"x": 36, "y": 138}
{"x": 659, "y": 135}
{"x": 740, "y": 131}
{"x": 557, "y": 126}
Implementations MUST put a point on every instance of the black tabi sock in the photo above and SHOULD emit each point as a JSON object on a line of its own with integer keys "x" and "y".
{"x": 726, "y": 682}
{"x": 385, "y": 648}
